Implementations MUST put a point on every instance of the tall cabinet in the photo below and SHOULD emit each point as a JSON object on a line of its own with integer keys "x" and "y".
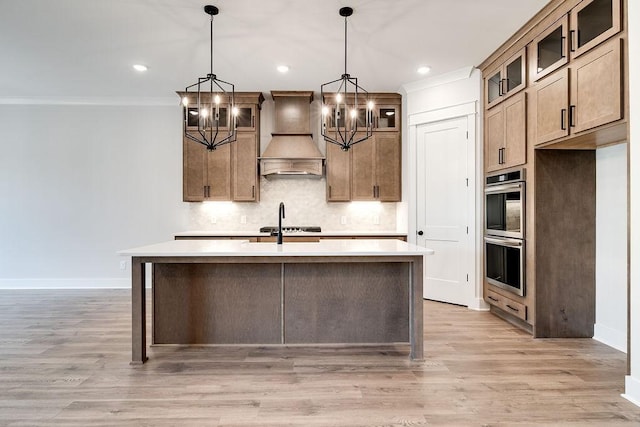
{"x": 371, "y": 169}
{"x": 230, "y": 172}
{"x": 555, "y": 92}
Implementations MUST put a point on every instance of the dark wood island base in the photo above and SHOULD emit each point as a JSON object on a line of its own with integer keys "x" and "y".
{"x": 279, "y": 300}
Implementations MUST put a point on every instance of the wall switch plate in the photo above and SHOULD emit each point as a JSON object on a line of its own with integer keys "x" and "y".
{"x": 123, "y": 265}
{"x": 214, "y": 220}
{"x": 343, "y": 220}
{"x": 243, "y": 219}
{"x": 376, "y": 220}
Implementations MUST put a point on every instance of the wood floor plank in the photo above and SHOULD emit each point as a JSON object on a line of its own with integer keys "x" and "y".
{"x": 64, "y": 361}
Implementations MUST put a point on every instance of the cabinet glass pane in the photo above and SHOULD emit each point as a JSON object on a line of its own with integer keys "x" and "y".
{"x": 336, "y": 118}
{"x": 493, "y": 87}
{"x": 192, "y": 117}
{"x": 550, "y": 49}
{"x": 594, "y": 20}
{"x": 387, "y": 118}
{"x": 244, "y": 117}
{"x": 514, "y": 74}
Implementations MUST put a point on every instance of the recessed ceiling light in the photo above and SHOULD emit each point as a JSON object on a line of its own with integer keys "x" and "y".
{"x": 140, "y": 67}
{"x": 424, "y": 70}
{"x": 283, "y": 68}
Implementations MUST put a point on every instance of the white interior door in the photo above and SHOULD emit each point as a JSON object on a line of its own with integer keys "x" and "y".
{"x": 442, "y": 216}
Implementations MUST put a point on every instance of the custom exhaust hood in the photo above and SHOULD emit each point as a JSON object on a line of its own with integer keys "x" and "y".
{"x": 291, "y": 151}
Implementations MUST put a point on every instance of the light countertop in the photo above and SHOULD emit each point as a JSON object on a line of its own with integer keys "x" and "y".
{"x": 337, "y": 247}
{"x": 213, "y": 233}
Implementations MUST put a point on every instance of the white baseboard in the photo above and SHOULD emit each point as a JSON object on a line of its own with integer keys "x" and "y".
{"x": 84, "y": 283}
{"x": 632, "y": 390}
{"x": 611, "y": 337}
{"x": 478, "y": 304}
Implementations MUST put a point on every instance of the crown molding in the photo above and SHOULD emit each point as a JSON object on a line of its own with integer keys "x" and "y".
{"x": 96, "y": 101}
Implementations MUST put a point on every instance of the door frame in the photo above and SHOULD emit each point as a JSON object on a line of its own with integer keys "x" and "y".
{"x": 475, "y": 199}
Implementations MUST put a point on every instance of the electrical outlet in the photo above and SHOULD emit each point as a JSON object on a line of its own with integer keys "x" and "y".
{"x": 343, "y": 220}
{"x": 376, "y": 220}
{"x": 123, "y": 265}
{"x": 214, "y": 220}
{"x": 243, "y": 219}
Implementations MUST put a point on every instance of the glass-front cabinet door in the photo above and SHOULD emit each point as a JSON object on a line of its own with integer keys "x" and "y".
{"x": 592, "y": 22}
{"x": 506, "y": 80}
{"x": 550, "y": 49}
{"x": 386, "y": 117}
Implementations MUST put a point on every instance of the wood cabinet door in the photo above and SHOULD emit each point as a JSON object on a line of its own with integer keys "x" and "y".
{"x": 552, "y": 105}
{"x": 515, "y": 131}
{"x": 515, "y": 73}
{"x": 363, "y": 170}
{"x": 219, "y": 173}
{"x": 550, "y": 49}
{"x": 245, "y": 167}
{"x": 494, "y": 139}
{"x": 596, "y": 87}
{"x": 194, "y": 171}
{"x": 593, "y": 22}
{"x": 338, "y": 168}
{"x": 387, "y": 118}
{"x": 388, "y": 167}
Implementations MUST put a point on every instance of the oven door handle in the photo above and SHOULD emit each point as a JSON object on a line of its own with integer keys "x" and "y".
{"x": 504, "y": 242}
{"x": 504, "y": 187}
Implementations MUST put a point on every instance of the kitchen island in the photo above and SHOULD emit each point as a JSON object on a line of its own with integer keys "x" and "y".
{"x": 297, "y": 293}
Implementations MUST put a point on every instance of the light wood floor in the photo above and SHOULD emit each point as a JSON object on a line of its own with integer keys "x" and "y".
{"x": 64, "y": 360}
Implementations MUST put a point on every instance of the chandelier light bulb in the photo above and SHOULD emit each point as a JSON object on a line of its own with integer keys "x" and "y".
{"x": 325, "y": 110}
{"x": 235, "y": 111}
{"x": 204, "y": 112}
{"x": 354, "y": 113}
{"x": 185, "y": 101}
{"x": 338, "y": 97}
{"x": 370, "y": 105}
{"x": 217, "y": 99}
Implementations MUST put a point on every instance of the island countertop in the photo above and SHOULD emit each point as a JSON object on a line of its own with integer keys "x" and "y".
{"x": 336, "y": 247}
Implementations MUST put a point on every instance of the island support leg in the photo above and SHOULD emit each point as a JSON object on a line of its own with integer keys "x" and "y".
{"x": 138, "y": 313}
{"x": 416, "y": 331}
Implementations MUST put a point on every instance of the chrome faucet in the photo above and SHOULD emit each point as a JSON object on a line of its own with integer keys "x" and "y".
{"x": 280, "y": 216}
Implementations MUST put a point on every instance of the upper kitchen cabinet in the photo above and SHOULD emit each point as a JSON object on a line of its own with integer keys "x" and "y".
{"x": 230, "y": 172}
{"x": 506, "y": 79}
{"x": 506, "y": 134}
{"x": 593, "y": 22}
{"x": 581, "y": 97}
{"x": 371, "y": 169}
{"x": 375, "y": 168}
{"x": 588, "y": 24}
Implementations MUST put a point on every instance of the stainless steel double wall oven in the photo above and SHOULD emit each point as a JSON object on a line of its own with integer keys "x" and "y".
{"x": 504, "y": 240}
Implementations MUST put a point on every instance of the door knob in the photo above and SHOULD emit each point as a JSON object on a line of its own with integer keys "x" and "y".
{"x": 420, "y": 233}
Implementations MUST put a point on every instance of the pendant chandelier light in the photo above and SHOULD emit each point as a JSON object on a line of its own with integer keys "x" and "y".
{"x": 211, "y": 119}
{"x": 351, "y": 121}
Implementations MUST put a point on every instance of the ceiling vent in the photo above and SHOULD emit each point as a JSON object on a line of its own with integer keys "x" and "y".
{"x": 291, "y": 151}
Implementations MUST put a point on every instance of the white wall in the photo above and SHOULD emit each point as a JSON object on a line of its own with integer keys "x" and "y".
{"x": 611, "y": 246}
{"x": 632, "y": 386}
{"x": 440, "y": 98}
{"x": 80, "y": 182}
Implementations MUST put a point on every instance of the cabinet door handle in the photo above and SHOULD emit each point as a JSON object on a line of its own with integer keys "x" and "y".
{"x": 329, "y": 191}
{"x": 500, "y": 87}
{"x": 562, "y": 43}
{"x": 492, "y": 298}
{"x": 512, "y": 308}
{"x": 253, "y": 121}
{"x": 572, "y": 36}
{"x": 563, "y": 117}
{"x": 572, "y": 116}
{"x": 505, "y": 88}
{"x": 253, "y": 191}
{"x": 204, "y": 191}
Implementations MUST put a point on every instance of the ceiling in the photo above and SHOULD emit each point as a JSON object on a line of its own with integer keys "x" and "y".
{"x": 86, "y": 48}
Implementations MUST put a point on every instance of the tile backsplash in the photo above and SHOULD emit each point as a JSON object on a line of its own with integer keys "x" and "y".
{"x": 305, "y": 203}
